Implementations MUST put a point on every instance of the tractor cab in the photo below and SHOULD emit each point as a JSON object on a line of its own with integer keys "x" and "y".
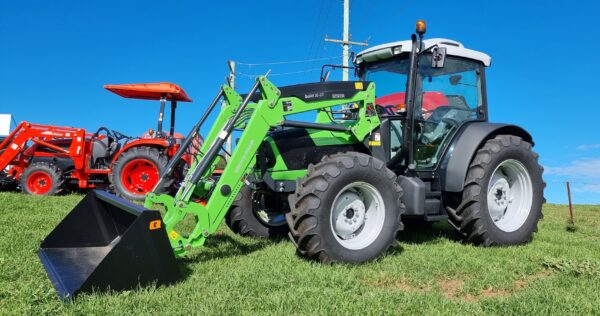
{"x": 445, "y": 89}
{"x": 163, "y": 92}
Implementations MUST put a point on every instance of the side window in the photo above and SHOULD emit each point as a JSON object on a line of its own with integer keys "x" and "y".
{"x": 446, "y": 98}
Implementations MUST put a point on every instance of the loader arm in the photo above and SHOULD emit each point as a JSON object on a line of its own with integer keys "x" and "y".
{"x": 261, "y": 116}
{"x": 16, "y": 143}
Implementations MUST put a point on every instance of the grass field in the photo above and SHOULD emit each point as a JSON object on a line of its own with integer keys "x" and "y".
{"x": 431, "y": 273}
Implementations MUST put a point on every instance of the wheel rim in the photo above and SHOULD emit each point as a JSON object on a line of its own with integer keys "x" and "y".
{"x": 139, "y": 176}
{"x": 265, "y": 215}
{"x": 357, "y": 215}
{"x": 270, "y": 218}
{"x": 510, "y": 195}
{"x": 39, "y": 182}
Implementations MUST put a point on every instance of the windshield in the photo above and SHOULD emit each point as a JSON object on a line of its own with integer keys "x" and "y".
{"x": 456, "y": 84}
{"x": 390, "y": 79}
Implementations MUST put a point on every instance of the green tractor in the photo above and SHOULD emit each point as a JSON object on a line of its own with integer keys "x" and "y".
{"x": 409, "y": 141}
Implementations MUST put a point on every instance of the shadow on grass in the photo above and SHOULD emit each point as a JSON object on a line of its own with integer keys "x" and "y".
{"x": 418, "y": 232}
{"x": 222, "y": 246}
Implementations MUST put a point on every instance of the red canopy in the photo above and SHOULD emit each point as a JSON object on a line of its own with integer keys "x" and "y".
{"x": 149, "y": 91}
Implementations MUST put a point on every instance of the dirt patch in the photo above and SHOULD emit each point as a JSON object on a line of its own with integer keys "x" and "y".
{"x": 450, "y": 288}
{"x": 521, "y": 284}
{"x": 491, "y": 292}
{"x": 398, "y": 284}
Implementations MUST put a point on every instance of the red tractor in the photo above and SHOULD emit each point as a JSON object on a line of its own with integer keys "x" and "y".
{"x": 47, "y": 160}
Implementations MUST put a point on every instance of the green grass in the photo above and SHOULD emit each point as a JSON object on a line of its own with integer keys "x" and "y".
{"x": 432, "y": 273}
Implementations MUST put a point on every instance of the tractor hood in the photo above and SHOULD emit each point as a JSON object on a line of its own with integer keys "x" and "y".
{"x": 453, "y": 48}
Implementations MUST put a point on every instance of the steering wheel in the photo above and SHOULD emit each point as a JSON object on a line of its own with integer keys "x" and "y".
{"x": 118, "y": 135}
{"x": 108, "y": 134}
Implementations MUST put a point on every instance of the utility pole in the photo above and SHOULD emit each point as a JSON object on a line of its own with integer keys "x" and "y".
{"x": 346, "y": 40}
{"x": 231, "y": 79}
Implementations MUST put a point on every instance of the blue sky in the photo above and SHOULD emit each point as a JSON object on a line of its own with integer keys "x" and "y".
{"x": 56, "y": 55}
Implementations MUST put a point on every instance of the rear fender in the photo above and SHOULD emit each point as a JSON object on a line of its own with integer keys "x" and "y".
{"x": 150, "y": 142}
{"x": 462, "y": 149}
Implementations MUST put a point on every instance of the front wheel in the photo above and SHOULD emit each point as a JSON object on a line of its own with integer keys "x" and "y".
{"x": 42, "y": 178}
{"x": 503, "y": 194}
{"x": 347, "y": 209}
{"x": 250, "y": 216}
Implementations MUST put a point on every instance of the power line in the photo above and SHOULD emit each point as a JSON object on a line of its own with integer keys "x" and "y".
{"x": 317, "y": 26}
{"x": 287, "y": 62}
{"x": 279, "y": 74}
{"x": 318, "y": 49}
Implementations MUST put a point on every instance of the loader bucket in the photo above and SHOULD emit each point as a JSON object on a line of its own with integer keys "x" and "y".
{"x": 108, "y": 243}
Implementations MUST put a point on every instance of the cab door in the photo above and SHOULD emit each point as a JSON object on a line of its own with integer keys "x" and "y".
{"x": 446, "y": 98}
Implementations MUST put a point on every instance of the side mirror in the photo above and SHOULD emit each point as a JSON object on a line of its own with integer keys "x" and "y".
{"x": 438, "y": 57}
{"x": 326, "y": 76}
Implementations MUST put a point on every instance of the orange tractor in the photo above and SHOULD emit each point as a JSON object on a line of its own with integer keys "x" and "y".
{"x": 47, "y": 160}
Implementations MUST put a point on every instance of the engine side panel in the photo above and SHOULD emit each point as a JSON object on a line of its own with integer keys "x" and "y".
{"x": 296, "y": 148}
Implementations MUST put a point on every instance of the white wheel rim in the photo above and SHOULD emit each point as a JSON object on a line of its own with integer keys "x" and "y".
{"x": 510, "y": 195}
{"x": 357, "y": 215}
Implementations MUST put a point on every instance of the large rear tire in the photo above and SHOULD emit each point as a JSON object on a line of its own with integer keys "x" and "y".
{"x": 245, "y": 219}
{"x": 42, "y": 178}
{"x": 503, "y": 194}
{"x": 346, "y": 209}
{"x": 136, "y": 172}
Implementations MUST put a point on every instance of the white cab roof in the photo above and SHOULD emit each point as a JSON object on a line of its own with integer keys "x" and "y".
{"x": 388, "y": 50}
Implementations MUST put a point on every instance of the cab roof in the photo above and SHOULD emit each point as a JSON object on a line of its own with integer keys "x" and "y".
{"x": 453, "y": 48}
{"x": 149, "y": 91}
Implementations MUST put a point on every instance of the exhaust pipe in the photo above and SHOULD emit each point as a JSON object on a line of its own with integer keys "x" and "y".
{"x": 108, "y": 243}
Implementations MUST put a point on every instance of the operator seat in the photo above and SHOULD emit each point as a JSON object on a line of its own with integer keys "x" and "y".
{"x": 101, "y": 150}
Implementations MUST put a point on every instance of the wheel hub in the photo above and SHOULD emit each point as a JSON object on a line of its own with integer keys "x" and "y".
{"x": 349, "y": 214}
{"x": 500, "y": 197}
{"x": 39, "y": 183}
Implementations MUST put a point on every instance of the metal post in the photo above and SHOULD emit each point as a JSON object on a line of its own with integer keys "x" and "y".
{"x": 161, "y": 113}
{"x": 571, "y": 220}
{"x": 346, "y": 38}
{"x": 173, "y": 109}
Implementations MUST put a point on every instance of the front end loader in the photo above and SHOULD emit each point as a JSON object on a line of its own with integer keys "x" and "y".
{"x": 341, "y": 186}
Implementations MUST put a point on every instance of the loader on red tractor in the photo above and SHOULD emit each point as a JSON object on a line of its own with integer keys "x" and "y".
{"x": 417, "y": 147}
{"x": 47, "y": 160}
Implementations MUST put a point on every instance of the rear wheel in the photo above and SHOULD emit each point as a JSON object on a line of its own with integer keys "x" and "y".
{"x": 137, "y": 171}
{"x": 503, "y": 195}
{"x": 42, "y": 178}
{"x": 248, "y": 216}
{"x": 347, "y": 209}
